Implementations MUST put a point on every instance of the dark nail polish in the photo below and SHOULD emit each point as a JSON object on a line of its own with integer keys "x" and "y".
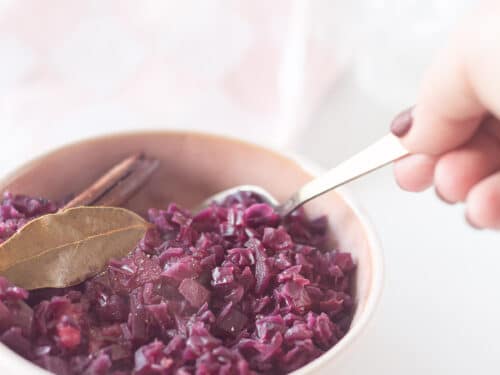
{"x": 402, "y": 123}
{"x": 440, "y": 196}
{"x": 471, "y": 223}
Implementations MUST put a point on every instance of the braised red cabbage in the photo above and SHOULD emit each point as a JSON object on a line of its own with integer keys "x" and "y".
{"x": 234, "y": 289}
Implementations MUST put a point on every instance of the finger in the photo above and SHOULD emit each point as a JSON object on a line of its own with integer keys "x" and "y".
{"x": 483, "y": 203}
{"x": 459, "y": 88}
{"x": 492, "y": 126}
{"x": 459, "y": 170}
{"x": 415, "y": 172}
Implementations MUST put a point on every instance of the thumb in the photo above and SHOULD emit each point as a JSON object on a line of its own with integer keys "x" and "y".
{"x": 458, "y": 90}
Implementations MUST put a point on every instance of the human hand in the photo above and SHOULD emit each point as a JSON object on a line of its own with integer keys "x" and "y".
{"x": 453, "y": 131}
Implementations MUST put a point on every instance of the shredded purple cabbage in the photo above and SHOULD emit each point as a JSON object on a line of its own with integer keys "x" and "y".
{"x": 234, "y": 289}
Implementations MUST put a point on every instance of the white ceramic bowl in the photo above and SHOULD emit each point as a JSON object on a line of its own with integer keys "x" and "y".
{"x": 194, "y": 166}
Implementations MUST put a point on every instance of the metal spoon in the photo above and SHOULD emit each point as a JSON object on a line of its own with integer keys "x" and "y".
{"x": 384, "y": 151}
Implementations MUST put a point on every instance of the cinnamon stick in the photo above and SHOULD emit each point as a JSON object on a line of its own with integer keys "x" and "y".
{"x": 117, "y": 185}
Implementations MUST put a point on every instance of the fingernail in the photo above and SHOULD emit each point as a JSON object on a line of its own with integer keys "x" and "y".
{"x": 470, "y": 222}
{"x": 440, "y": 196}
{"x": 402, "y": 123}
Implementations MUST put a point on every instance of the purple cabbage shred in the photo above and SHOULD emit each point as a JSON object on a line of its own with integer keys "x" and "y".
{"x": 234, "y": 289}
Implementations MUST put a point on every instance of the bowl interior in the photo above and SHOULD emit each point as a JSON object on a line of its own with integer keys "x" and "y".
{"x": 194, "y": 166}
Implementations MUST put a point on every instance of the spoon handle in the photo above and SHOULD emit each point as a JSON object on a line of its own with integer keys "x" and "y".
{"x": 384, "y": 151}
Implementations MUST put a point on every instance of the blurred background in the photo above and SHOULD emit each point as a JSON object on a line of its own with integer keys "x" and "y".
{"x": 321, "y": 78}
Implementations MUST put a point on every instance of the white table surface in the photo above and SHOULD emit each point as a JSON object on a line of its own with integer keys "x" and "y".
{"x": 440, "y": 309}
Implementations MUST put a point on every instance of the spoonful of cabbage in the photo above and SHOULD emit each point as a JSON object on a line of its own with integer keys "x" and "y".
{"x": 384, "y": 151}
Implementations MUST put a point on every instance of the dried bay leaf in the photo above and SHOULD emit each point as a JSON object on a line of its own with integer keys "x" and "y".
{"x": 65, "y": 248}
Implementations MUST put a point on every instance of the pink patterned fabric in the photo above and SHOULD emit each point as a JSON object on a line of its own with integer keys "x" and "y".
{"x": 70, "y": 69}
